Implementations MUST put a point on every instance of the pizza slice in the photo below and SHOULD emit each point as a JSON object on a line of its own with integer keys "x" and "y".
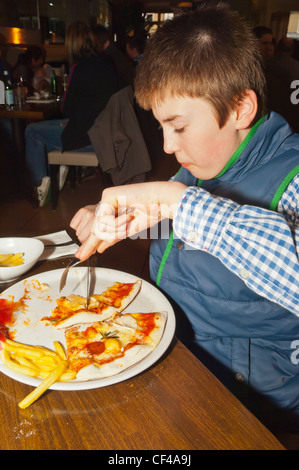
{"x": 106, "y": 348}
{"x": 72, "y": 309}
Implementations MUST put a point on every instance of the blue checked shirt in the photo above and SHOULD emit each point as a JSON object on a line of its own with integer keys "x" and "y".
{"x": 258, "y": 245}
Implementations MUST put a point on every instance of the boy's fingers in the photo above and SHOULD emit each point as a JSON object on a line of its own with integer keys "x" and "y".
{"x": 104, "y": 245}
{"x": 75, "y": 220}
{"x": 107, "y": 228}
{"x": 88, "y": 247}
{"x": 110, "y": 228}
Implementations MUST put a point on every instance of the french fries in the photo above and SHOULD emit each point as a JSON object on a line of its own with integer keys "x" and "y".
{"x": 11, "y": 259}
{"x": 18, "y": 367}
{"x": 59, "y": 349}
{"x": 37, "y": 361}
{"x": 44, "y": 385}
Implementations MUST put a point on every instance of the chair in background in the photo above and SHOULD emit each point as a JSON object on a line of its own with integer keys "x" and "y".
{"x": 118, "y": 141}
{"x": 71, "y": 159}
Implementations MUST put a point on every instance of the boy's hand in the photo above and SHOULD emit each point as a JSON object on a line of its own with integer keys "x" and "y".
{"x": 82, "y": 222}
{"x": 127, "y": 210}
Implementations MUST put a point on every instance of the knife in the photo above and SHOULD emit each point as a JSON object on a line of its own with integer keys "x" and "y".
{"x": 54, "y": 245}
{"x": 87, "y": 282}
{"x": 127, "y": 211}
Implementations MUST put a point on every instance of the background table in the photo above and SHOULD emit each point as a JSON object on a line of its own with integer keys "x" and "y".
{"x": 34, "y": 111}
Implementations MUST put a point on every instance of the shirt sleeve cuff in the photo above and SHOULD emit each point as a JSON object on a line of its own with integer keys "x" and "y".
{"x": 200, "y": 218}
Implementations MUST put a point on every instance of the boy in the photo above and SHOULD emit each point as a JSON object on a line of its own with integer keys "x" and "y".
{"x": 231, "y": 262}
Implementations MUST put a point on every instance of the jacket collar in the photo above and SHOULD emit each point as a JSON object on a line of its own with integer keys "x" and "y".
{"x": 259, "y": 145}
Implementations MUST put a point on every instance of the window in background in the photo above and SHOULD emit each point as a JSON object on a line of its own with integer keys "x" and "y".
{"x": 293, "y": 26}
{"x": 154, "y": 20}
{"x": 51, "y": 18}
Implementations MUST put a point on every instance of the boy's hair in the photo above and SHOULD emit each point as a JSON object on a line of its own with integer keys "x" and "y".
{"x": 209, "y": 53}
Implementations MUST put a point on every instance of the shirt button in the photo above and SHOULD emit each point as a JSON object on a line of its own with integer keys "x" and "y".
{"x": 239, "y": 377}
{"x": 180, "y": 245}
{"x": 192, "y": 236}
{"x": 244, "y": 273}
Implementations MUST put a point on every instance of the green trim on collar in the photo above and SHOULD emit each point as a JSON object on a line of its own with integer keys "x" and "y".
{"x": 164, "y": 258}
{"x": 242, "y": 146}
{"x": 168, "y": 250}
{"x": 283, "y": 186}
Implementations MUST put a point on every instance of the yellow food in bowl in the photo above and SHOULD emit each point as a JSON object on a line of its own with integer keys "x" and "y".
{"x": 11, "y": 259}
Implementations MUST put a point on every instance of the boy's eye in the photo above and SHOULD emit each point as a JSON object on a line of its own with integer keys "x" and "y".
{"x": 179, "y": 131}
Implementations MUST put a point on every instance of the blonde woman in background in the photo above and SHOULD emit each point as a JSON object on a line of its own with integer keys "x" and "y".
{"x": 92, "y": 81}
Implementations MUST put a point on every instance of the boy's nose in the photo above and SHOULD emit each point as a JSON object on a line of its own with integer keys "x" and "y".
{"x": 170, "y": 145}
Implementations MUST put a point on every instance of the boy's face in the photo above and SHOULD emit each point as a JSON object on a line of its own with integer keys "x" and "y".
{"x": 192, "y": 133}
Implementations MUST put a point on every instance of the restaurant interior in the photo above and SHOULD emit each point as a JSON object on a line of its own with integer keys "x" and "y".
{"x": 25, "y": 22}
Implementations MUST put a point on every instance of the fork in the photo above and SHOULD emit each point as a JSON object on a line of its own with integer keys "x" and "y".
{"x": 75, "y": 261}
{"x": 71, "y": 264}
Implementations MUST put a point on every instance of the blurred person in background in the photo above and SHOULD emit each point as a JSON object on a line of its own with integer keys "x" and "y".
{"x": 92, "y": 81}
{"x": 42, "y": 78}
{"x": 126, "y": 70}
{"x": 124, "y": 67}
{"x": 135, "y": 48}
{"x": 266, "y": 41}
{"x": 31, "y": 66}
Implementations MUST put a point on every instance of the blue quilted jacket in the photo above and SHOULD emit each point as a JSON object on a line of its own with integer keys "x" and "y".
{"x": 242, "y": 336}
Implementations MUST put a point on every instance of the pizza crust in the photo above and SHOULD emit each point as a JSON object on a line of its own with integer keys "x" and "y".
{"x": 132, "y": 357}
{"x": 85, "y": 316}
{"x": 128, "y": 332}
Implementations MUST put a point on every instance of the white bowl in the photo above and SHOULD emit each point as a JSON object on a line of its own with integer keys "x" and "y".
{"x": 32, "y": 249}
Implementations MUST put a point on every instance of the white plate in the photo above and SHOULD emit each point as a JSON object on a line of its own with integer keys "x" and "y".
{"x": 29, "y": 329}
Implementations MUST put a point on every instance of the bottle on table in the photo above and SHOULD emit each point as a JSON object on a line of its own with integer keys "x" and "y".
{"x": 20, "y": 92}
{"x": 9, "y": 95}
{"x": 54, "y": 83}
{"x": 64, "y": 83}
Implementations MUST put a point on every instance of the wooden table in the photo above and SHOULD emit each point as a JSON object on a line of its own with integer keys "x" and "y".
{"x": 175, "y": 405}
{"x": 35, "y": 111}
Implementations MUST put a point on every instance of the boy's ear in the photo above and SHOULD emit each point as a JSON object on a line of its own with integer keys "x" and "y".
{"x": 246, "y": 109}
